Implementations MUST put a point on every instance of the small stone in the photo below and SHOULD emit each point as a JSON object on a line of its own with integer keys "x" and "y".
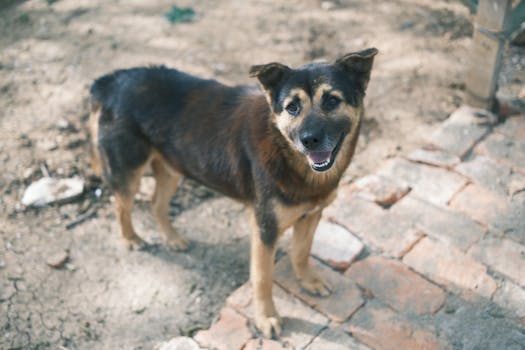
{"x": 328, "y": 5}
{"x": 336, "y": 245}
{"x": 179, "y": 343}
{"x": 49, "y": 190}
{"x": 65, "y": 125}
{"x": 28, "y": 173}
{"x": 47, "y": 145}
{"x": 58, "y": 260}
{"x": 147, "y": 188}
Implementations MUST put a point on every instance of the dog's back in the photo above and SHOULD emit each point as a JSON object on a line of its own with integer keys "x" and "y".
{"x": 139, "y": 111}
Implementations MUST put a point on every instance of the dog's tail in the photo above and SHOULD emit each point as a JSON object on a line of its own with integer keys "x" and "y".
{"x": 94, "y": 117}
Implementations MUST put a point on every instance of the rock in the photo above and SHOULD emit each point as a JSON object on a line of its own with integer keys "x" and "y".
{"x": 146, "y": 189}
{"x": 58, "y": 260}
{"x": 179, "y": 343}
{"x": 49, "y": 190}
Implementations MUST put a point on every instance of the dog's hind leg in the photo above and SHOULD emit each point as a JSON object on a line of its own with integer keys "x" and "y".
{"x": 124, "y": 201}
{"x": 303, "y": 234}
{"x": 166, "y": 185}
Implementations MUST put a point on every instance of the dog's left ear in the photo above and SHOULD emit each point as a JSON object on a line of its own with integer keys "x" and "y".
{"x": 270, "y": 75}
{"x": 358, "y": 65}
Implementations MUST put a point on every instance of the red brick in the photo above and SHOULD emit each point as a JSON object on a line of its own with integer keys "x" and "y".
{"x": 300, "y": 322}
{"x": 230, "y": 332}
{"x": 336, "y": 245}
{"x": 448, "y": 266}
{"x": 460, "y": 132}
{"x": 345, "y": 297}
{"x": 393, "y": 283}
{"x": 335, "y": 338}
{"x": 480, "y": 204}
{"x": 503, "y": 255}
{"x": 352, "y": 211}
{"x": 443, "y": 224}
{"x": 435, "y": 185}
{"x": 512, "y": 297}
{"x": 492, "y": 175}
{"x": 434, "y": 157}
{"x": 379, "y": 189}
{"x": 374, "y": 225}
{"x": 263, "y": 344}
{"x": 381, "y": 328}
{"x": 503, "y": 149}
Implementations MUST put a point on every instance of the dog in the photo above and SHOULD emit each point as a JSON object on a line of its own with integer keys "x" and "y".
{"x": 282, "y": 152}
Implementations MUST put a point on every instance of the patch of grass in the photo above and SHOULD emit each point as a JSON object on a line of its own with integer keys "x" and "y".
{"x": 180, "y": 14}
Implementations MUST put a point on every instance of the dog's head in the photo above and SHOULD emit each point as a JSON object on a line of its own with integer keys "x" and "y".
{"x": 318, "y": 105}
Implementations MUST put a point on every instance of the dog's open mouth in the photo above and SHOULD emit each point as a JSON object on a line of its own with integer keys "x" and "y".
{"x": 322, "y": 161}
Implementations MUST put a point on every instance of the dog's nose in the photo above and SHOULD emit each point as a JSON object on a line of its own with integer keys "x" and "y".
{"x": 311, "y": 139}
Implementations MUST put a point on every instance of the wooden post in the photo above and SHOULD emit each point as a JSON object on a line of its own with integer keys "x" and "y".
{"x": 485, "y": 54}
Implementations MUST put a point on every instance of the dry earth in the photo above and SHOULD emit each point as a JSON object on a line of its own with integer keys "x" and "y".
{"x": 106, "y": 297}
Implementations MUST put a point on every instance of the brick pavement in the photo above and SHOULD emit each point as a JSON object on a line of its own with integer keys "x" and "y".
{"x": 428, "y": 253}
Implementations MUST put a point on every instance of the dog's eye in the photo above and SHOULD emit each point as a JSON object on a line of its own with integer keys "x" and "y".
{"x": 331, "y": 103}
{"x": 293, "y": 108}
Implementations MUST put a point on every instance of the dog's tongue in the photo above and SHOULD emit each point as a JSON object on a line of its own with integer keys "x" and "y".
{"x": 319, "y": 157}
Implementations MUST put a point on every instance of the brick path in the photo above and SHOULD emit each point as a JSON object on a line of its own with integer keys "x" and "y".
{"x": 427, "y": 253}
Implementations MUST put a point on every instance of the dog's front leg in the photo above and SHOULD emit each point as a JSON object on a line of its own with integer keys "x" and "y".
{"x": 264, "y": 236}
{"x": 303, "y": 235}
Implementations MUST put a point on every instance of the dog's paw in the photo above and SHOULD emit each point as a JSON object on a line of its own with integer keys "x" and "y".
{"x": 269, "y": 325}
{"x": 136, "y": 243}
{"x": 178, "y": 243}
{"x": 315, "y": 285}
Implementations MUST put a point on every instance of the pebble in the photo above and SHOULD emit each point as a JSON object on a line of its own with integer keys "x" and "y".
{"x": 49, "y": 190}
{"x": 58, "y": 260}
{"x": 179, "y": 343}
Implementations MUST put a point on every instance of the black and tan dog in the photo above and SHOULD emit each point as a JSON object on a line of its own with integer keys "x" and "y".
{"x": 282, "y": 153}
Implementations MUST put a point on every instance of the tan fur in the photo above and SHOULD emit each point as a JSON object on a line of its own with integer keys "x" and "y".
{"x": 166, "y": 183}
{"x": 124, "y": 202}
{"x": 93, "y": 130}
{"x": 261, "y": 277}
{"x": 303, "y": 234}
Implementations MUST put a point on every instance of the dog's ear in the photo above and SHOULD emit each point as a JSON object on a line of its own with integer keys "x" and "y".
{"x": 269, "y": 75}
{"x": 358, "y": 65}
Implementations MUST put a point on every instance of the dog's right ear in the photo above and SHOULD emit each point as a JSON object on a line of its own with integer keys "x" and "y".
{"x": 270, "y": 75}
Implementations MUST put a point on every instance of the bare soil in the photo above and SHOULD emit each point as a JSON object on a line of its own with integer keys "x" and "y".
{"x": 106, "y": 297}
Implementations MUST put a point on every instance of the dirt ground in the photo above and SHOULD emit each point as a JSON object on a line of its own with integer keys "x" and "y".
{"x": 106, "y": 297}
